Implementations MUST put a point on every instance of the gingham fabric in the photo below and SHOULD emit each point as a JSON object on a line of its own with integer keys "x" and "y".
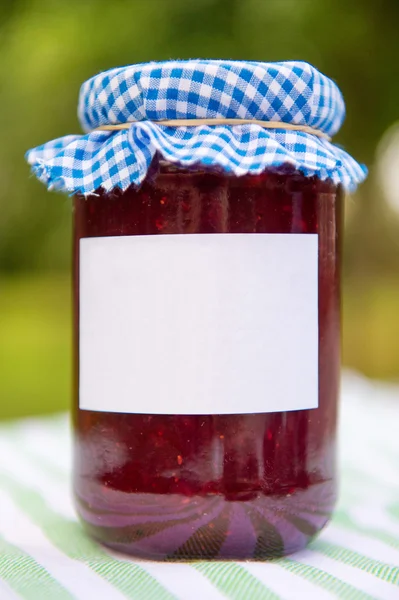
{"x": 44, "y": 553}
{"x": 289, "y": 92}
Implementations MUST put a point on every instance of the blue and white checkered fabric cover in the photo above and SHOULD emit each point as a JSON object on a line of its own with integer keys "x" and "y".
{"x": 290, "y": 92}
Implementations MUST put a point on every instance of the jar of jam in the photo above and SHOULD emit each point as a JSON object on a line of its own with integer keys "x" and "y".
{"x": 207, "y": 306}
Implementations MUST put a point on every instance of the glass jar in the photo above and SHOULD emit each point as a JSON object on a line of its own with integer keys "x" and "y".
{"x": 198, "y": 486}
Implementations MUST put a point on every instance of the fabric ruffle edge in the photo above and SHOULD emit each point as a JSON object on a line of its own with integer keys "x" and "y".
{"x": 109, "y": 159}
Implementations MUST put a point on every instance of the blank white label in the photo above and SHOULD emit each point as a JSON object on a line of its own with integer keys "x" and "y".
{"x": 199, "y": 324}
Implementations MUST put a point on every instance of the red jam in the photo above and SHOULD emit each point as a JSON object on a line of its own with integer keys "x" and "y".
{"x": 216, "y": 486}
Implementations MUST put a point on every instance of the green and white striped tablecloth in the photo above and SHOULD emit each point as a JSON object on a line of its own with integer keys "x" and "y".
{"x": 45, "y": 555}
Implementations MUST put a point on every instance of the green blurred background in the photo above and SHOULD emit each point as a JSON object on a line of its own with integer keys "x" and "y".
{"x": 49, "y": 47}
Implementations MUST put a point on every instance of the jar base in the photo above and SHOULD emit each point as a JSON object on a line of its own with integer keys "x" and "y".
{"x": 176, "y": 528}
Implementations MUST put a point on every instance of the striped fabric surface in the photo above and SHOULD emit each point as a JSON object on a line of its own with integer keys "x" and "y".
{"x": 45, "y": 555}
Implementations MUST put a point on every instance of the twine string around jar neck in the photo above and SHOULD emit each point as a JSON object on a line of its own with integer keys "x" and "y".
{"x": 221, "y": 121}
